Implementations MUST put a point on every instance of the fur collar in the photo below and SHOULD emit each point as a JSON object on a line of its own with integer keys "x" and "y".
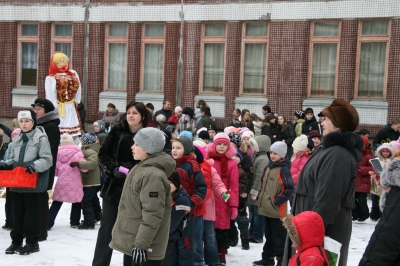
{"x": 390, "y": 177}
{"x": 349, "y": 140}
{"x": 53, "y": 115}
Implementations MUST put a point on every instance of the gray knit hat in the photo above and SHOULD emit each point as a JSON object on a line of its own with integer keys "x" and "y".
{"x": 280, "y": 148}
{"x": 150, "y": 139}
{"x": 186, "y": 143}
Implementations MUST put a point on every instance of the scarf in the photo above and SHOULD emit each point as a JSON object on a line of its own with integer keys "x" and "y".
{"x": 189, "y": 159}
{"x": 224, "y": 162}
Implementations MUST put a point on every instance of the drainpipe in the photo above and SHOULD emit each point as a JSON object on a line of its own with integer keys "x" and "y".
{"x": 85, "y": 53}
{"x": 179, "y": 77}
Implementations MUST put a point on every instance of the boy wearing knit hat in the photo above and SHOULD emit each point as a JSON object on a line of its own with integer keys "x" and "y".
{"x": 272, "y": 203}
{"x": 192, "y": 180}
{"x": 145, "y": 200}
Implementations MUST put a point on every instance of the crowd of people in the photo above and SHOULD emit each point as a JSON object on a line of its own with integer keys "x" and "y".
{"x": 164, "y": 175}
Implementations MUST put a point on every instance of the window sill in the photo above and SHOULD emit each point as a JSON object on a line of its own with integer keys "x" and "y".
{"x": 23, "y": 97}
{"x": 252, "y": 103}
{"x": 371, "y": 112}
{"x": 154, "y": 97}
{"x": 215, "y": 102}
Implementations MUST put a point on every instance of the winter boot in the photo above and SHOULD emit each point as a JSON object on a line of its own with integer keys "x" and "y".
{"x": 270, "y": 262}
{"x": 86, "y": 226}
{"x": 221, "y": 255}
{"x": 245, "y": 244}
{"x": 13, "y": 249}
{"x": 28, "y": 249}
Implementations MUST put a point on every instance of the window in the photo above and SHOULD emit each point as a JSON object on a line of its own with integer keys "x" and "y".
{"x": 324, "y": 57}
{"x": 372, "y": 57}
{"x": 116, "y": 57}
{"x": 62, "y": 39}
{"x": 152, "y": 57}
{"x": 254, "y": 58}
{"x": 28, "y": 38}
{"x": 212, "y": 54}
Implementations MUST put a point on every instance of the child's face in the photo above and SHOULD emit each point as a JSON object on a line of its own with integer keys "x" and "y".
{"x": 212, "y": 133}
{"x": 25, "y": 124}
{"x": 309, "y": 116}
{"x": 221, "y": 148}
{"x": 274, "y": 156}
{"x": 316, "y": 141}
{"x": 96, "y": 128}
{"x": 138, "y": 152}
{"x": 177, "y": 150}
{"x": 386, "y": 154}
{"x": 246, "y": 140}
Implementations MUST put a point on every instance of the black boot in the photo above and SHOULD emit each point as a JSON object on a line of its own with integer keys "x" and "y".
{"x": 13, "y": 249}
{"x": 86, "y": 226}
{"x": 245, "y": 244}
{"x": 28, "y": 249}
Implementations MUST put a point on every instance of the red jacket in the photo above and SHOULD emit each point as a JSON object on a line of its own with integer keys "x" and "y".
{"x": 363, "y": 182}
{"x": 310, "y": 235}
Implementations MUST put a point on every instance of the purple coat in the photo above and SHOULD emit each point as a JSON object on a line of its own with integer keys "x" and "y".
{"x": 69, "y": 186}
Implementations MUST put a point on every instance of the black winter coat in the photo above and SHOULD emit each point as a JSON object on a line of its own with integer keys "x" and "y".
{"x": 289, "y": 135}
{"x": 116, "y": 151}
{"x": 384, "y": 246}
{"x": 386, "y": 135}
{"x": 309, "y": 125}
{"x": 50, "y": 121}
{"x": 271, "y": 130}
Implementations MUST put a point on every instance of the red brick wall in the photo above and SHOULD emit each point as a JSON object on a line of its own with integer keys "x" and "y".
{"x": 171, "y": 61}
{"x": 393, "y": 84}
{"x": 134, "y": 49}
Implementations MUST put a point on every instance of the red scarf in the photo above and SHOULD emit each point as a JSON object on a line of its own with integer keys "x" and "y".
{"x": 189, "y": 159}
{"x": 224, "y": 162}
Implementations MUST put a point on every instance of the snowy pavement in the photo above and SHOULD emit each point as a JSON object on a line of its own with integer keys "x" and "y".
{"x": 66, "y": 246}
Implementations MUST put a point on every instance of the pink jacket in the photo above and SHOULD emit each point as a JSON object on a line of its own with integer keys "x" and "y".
{"x": 69, "y": 186}
{"x": 218, "y": 188}
{"x": 297, "y": 165}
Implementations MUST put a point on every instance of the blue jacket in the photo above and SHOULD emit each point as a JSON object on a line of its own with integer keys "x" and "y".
{"x": 180, "y": 207}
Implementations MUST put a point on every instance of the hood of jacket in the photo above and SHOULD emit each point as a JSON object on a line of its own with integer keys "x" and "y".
{"x": 349, "y": 140}
{"x": 282, "y": 163}
{"x": 263, "y": 142}
{"x": 50, "y": 116}
{"x": 300, "y": 120}
{"x": 161, "y": 160}
{"x": 387, "y": 146}
{"x": 305, "y": 230}
{"x": 113, "y": 113}
{"x": 93, "y": 146}
{"x": 65, "y": 153}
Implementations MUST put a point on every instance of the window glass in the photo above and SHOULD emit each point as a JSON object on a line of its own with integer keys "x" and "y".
{"x": 213, "y": 69}
{"x": 377, "y": 27}
{"x": 326, "y": 29}
{"x": 215, "y": 30}
{"x": 29, "y": 53}
{"x": 29, "y": 30}
{"x": 62, "y": 30}
{"x": 154, "y": 30}
{"x": 256, "y": 29}
{"x": 65, "y": 48}
{"x": 254, "y": 68}
{"x": 117, "y": 30}
{"x": 153, "y": 67}
{"x": 324, "y": 69}
{"x": 117, "y": 59}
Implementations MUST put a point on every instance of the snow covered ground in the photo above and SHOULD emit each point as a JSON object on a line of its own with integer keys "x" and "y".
{"x": 66, "y": 246}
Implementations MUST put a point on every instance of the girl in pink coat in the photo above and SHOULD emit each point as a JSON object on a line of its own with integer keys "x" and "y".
{"x": 69, "y": 186}
{"x": 222, "y": 152}
{"x": 300, "y": 157}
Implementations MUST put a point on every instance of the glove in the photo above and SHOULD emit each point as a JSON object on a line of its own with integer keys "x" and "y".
{"x": 31, "y": 168}
{"x": 225, "y": 196}
{"x": 74, "y": 164}
{"x": 117, "y": 173}
{"x": 138, "y": 255}
{"x": 254, "y": 194}
{"x": 234, "y": 213}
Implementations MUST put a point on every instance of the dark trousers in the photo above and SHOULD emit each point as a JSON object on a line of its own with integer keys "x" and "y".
{"x": 257, "y": 223}
{"x": 375, "y": 211}
{"x": 128, "y": 262}
{"x": 25, "y": 205}
{"x": 102, "y": 252}
{"x": 275, "y": 235}
{"x": 166, "y": 261}
{"x": 182, "y": 253}
{"x": 44, "y": 214}
{"x": 53, "y": 211}
{"x": 361, "y": 210}
{"x": 86, "y": 206}
{"x": 96, "y": 203}
{"x": 222, "y": 236}
{"x": 8, "y": 209}
{"x": 243, "y": 225}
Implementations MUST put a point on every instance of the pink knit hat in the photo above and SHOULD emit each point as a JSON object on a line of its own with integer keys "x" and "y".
{"x": 221, "y": 138}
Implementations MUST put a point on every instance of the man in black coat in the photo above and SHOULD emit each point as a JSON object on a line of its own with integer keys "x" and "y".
{"x": 387, "y": 134}
{"x": 47, "y": 117}
{"x": 166, "y": 110}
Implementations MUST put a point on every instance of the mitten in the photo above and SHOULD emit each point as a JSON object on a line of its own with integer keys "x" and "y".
{"x": 234, "y": 213}
{"x": 254, "y": 194}
{"x": 118, "y": 174}
{"x": 138, "y": 255}
{"x": 74, "y": 164}
{"x": 225, "y": 196}
{"x": 31, "y": 168}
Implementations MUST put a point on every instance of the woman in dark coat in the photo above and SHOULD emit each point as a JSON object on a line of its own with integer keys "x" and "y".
{"x": 270, "y": 128}
{"x": 384, "y": 246}
{"x": 327, "y": 182}
{"x": 115, "y": 152}
{"x": 288, "y": 134}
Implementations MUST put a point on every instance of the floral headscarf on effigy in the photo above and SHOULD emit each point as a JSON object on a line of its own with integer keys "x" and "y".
{"x": 59, "y": 63}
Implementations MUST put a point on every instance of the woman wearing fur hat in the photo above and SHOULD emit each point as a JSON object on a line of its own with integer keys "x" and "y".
{"x": 327, "y": 182}
{"x": 383, "y": 247}
{"x": 31, "y": 150}
{"x": 116, "y": 152}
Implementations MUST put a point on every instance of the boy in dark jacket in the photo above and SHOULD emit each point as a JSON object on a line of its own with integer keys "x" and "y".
{"x": 387, "y": 134}
{"x": 276, "y": 190}
{"x": 180, "y": 207}
{"x": 192, "y": 181}
{"x": 310, "y": 122}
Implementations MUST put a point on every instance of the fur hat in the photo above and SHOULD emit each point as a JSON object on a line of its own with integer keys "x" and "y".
{"x": 46, "y": 104}
{"x": 299, "y": 114}
{"x": 342, "y": 114}
{"x": 100, "y": 124}
{"x": 204, "y": 135}
{"x": 249, "y": 134}
{"x": 175, "y": 179}
{"x": 314, "y": 134}
{"x": 28, "y": 114}
{"x": 234, "y": 138}
{"x": 66, "y": 140}
{"x": 300, "y": 143}
{"x": 150, "y": 139}
{"x": 280, "y": 148}
{"x": 187, "y": 134}
{"x": 88, "y": 138}
{"x": 186, "y": 143}
{"x": 385, "y": 146}
{"x": 178, "y": 109}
